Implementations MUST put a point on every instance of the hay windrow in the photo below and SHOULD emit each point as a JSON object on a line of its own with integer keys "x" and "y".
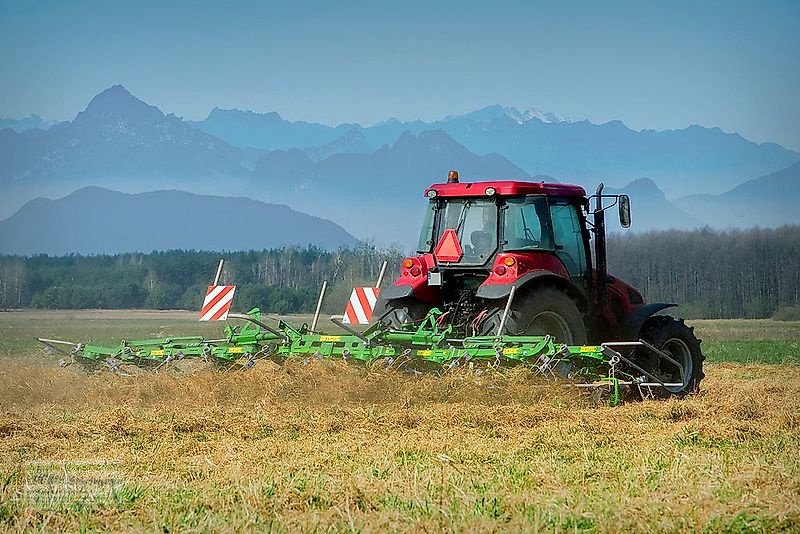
{"x": 319, "y": 445}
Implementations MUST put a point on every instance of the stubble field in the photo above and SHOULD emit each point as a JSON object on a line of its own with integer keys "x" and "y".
{"x": 330, "y": 447}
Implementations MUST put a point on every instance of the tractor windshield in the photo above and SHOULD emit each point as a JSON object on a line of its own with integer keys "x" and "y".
{"x": 525, "y": 225}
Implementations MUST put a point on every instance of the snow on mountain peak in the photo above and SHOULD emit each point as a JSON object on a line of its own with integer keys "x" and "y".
{"x": 544, "y": 116}
{"x": 522, "y": 117}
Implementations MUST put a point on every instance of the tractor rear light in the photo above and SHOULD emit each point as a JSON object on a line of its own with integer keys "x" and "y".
{"x": 490, "y": 191}
{"x": 431, "y": 193}
{"x": 415, "y": 271}
{"x": 500, "y": 270}
{"x": 408, "y": 263}
{"x": 508, "y": 261}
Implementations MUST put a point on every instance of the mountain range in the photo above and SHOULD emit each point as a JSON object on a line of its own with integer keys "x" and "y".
{"x": 379, "y": 194}
{"x": 650, "y": 208}
{"x": 370, "y": 179}
{"x": 118, "y": 141}
{"x": 30, "y": 122}
{"x": 768, "y": 201}
{"x": 696, "y": 159}
{"x": 93, "y": 220}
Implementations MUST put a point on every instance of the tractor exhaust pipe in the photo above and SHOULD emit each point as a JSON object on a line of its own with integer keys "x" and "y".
{"x": 600, "y": 246}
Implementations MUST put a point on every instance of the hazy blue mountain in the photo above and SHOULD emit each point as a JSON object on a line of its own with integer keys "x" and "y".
{"x": 692, "y": 159}
{"x": 492, "y": 113}
{"x": 268, "y": 131}
{"x": 118, "y": 141}
{"x": 389, "y": 131}
{"x": 28, "y": 123}
{"x": 411, "y": 161}
{"x": 695, "y": 158}
{"x": 650, "y": 209}
{"x": 352, "y": 142}
{"x": 768, "y": 201}
{"x": 98, "y": 221}
{"x": 380, "y": 194}
{"x": 377, "y": 194}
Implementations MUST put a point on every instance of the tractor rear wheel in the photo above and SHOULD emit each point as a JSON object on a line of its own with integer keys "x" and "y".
{"x": 396, "y": 313}
{"x": 679, "y": 341}
{"x": 544, "y": 310}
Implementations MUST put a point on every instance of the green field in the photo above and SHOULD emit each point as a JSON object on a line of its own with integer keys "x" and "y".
{"x": 326, "y": 446}
{"x": 750, "y": 341}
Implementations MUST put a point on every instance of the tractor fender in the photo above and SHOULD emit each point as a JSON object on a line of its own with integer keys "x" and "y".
{"x": 633, "y": 322}
{"x": 497, "y": 291}
{"x": 397, "y": 292}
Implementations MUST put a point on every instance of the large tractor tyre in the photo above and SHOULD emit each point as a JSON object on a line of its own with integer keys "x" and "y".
{"x": 679, "y": 341}
{"x": 543, "y": 310}
{"x": 396, "y": 313}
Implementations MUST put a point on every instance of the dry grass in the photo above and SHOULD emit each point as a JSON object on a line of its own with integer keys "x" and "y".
{"x": 326, "y": 446}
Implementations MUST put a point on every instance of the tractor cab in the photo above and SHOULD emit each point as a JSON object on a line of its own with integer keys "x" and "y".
{"x": 481, "y": 229}
{"x": 470, "y": 231}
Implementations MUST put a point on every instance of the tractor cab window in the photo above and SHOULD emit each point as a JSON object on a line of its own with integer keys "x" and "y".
{"x": 426, "y": 233}
{"x": 527, "y": 224}
{"x": 568, "y": 237}
{"x": 475, "y": 223}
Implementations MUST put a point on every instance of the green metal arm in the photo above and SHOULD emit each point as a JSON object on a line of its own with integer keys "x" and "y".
{"x": 426, "y": 343}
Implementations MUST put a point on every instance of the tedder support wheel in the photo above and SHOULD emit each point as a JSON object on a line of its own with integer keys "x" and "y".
{"x": 396, "y": 313}
{"x": 543, "y": 310}
{"x": 679, "y": 341}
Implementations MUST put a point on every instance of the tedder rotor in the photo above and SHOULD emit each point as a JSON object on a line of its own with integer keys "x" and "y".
{"x": 503, "y": 276}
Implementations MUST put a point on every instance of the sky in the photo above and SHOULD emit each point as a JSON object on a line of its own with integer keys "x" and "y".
{"x": 653, "y": 65}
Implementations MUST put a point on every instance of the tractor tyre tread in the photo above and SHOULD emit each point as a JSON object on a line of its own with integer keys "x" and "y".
{"x": 528, "y": 305}
{"x": 658, "y": 330}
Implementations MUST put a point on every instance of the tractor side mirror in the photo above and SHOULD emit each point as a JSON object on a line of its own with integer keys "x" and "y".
{"x": 625, "y": 211}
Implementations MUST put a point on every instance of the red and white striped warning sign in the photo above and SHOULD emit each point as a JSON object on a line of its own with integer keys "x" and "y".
{"x": 359, "y": 308}
{"x": 217, "y": 303}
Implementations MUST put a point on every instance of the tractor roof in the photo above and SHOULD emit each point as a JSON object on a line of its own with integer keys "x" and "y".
{"x": 506, "y": 188}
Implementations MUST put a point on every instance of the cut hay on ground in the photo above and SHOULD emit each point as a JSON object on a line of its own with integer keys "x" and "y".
{"x": 329, "y": 446}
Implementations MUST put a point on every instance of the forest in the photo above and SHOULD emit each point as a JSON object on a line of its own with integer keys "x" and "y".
{"x": 713, "y": 274}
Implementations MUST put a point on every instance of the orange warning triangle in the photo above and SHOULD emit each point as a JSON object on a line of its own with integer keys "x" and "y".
{"x": 448, "y": 249}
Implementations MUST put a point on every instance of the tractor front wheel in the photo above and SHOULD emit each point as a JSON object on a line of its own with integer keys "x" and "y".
{"x": 681, "y": 344}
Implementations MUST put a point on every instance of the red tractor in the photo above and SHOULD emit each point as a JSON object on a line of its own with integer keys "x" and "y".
{"x": 481, "y": 239}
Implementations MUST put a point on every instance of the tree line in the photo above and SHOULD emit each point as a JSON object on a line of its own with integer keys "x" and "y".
{"x": 285, "y": 280}
{"x": 712, "y": 274}
{"x": 753, "y": 273}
